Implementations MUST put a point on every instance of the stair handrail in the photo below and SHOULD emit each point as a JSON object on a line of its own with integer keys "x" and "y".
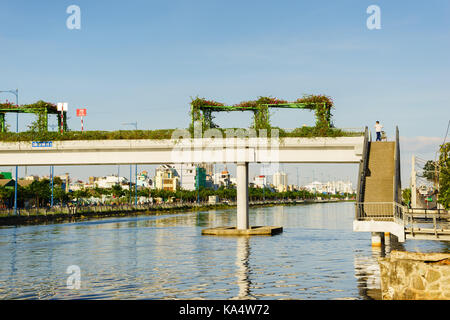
{"x": 363, "y": 167}
{"x": 397, "y": 174}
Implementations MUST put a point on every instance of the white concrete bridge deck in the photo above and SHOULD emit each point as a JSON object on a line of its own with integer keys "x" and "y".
{"x": 226, "y": 150}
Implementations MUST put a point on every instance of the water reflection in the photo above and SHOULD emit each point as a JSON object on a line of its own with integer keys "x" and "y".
{"x": 243, "y": 268}
{"x": 318, "y": 256}
{"x": 367, "y": 268}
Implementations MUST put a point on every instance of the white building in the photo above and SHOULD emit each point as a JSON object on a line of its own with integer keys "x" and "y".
{"x": 186, "y": 173}
{"x": 331, "y": 187}
{"x": 222, "y": 179}
{"x": 260, "y": 181}
{"x": 166, "y": 178}
{"x": 143, "y": 180}
{"x": 109, "y": 181}
{"x": 280, "y": 181}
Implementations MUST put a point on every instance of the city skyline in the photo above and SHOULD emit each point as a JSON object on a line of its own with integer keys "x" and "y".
{"x": 113, "y": 178}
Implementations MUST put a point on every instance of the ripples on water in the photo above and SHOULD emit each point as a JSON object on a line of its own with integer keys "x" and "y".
{"x": 318, "y": 256}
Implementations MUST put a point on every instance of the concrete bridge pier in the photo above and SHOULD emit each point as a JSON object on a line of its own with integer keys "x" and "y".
{"x": 242, "y": 220}
{"x": 377, "y": 239}
{"x": 242, "y": 196}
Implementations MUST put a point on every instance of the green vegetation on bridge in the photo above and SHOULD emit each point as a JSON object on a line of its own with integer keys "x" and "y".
{"x": 303, "y": 132}
{"x": 201, "y": 111}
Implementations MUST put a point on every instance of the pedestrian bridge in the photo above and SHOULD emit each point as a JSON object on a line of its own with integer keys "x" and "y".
{"x": 206, "y": 150}
{"x": 378, "y": 208}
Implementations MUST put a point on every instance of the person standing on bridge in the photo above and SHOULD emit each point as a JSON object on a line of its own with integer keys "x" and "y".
{"x": 378, "y": 129}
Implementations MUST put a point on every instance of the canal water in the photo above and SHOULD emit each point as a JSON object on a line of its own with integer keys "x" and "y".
{"x": 318, "y": 256}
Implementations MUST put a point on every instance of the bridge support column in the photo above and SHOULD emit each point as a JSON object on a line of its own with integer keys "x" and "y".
{"x": 242, "y": 196}
{"x": 377, "y": 239}
{"x": 243, "y": 227}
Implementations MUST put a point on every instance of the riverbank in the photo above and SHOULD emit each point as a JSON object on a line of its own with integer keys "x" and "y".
{"x": 36, "y": 216}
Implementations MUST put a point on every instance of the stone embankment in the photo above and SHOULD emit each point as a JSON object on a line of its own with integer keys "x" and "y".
{"x": 415, "y": 276}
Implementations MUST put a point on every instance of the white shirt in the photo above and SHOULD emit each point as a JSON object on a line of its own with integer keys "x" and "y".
{"x": 378, "y": 127}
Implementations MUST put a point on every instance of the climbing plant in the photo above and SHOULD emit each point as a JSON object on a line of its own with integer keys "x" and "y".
{"x": 40, "y": 124}
{"x": 40, "y": 108}
{"x": 202, "y": 109}
{"x": 322, "y": 106}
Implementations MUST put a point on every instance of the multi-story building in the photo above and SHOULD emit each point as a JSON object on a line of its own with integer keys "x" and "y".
{"x": 166, "y": 178}
{"x": 108, "y": 181}
{"x": 209, "y": 168}
{"x": 280, "y": 181}
{"x": 200, "y": 178}
{"x": 186, "y": 174}
{"x": 331, "y": 187}
{"x": 143, "y": 180}
{"x": 222, "y": 179}
{"x": 260, "y": 181}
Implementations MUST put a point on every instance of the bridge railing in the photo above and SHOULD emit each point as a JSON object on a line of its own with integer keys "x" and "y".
{"x": 363, "y": 167}
{"x": 380, "y": 211}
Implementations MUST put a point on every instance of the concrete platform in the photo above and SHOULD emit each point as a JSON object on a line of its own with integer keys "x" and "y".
{"x": 253, "y": 231}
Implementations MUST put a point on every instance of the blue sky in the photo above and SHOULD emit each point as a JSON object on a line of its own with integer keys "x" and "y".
{"x": 143, "y": 60}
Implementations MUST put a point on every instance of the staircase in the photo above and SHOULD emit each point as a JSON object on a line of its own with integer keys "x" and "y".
{"x": 379, "y": 186}
{"x": 379, "y": 189}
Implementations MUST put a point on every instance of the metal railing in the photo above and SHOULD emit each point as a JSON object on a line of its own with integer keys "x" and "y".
{"x": 100, "y": 208}
{"x": 363, "y": 167}
{"x": 397, "y": 174}
{"x": 435, "y": 224}
{"x": 380, "y": 211}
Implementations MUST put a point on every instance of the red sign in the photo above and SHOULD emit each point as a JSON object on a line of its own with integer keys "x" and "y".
{"x": 81, "y": 112}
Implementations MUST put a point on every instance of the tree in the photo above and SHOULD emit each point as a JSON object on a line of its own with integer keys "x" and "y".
{"x": 444, "y": 175}
{"x": 60, "y": 194}
{"x": 117, "y": 191}
{"x": 40, "y": 191}
{"x": 429, "y": 170}
{"x": 6, "y": 196}
{"x": 406, "y": 196}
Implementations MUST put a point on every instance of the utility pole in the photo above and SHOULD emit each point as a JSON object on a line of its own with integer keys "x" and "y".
{"x": 16, "y": 93}
{"x": 130, "y": 185}
{"x": 135, "y": 185}
{"x": 51, "y": 178}
{"x": 135, "y": 176}
{"x": 413, "y": 183}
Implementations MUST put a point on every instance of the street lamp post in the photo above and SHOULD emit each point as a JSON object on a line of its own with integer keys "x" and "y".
{"x": 135, "y": 185}
{"x": 135, "y": 175}
{"x": 16, "y": 93}
{"x": 51, "y": 177}
{"x": 130, "y": 185}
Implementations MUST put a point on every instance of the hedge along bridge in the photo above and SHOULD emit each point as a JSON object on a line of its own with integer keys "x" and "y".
{"x": 377, "y": 212}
